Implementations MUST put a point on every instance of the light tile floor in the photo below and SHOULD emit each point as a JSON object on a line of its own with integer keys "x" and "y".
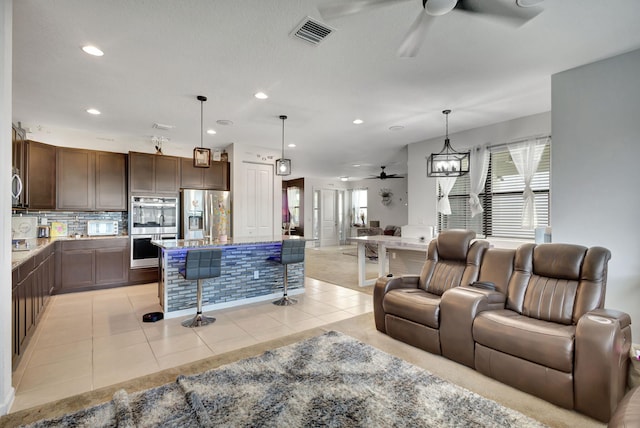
{"x": 89, "y": 340}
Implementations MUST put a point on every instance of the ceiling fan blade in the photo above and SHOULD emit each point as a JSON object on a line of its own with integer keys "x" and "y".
{"x": 415, "y": 36}
{"x": 506, "y": 9}
{"x": 337, "y": 9}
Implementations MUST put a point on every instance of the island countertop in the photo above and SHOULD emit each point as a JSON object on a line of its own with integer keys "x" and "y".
{"x": 178, "y": 244}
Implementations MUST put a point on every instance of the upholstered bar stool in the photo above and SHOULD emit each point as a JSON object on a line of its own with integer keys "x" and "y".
{"x": 199, "y": 265}
{"x": 292, "y": 251}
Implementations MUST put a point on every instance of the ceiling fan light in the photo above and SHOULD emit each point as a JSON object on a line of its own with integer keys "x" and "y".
{"x": 439, "y": 7}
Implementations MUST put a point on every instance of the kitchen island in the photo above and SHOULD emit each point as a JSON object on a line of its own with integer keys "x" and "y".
{"x": 249, "y": 274}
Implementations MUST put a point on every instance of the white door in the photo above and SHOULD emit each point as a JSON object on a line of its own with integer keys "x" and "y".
{"x": 258, "y": 200}
{"x": 329, "y": 218}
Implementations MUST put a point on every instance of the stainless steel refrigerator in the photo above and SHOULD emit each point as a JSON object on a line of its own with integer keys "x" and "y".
{"x": 206, "y": 214}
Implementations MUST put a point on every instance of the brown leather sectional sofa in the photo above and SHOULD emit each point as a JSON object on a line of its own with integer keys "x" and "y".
{"x": 532, "y": 318}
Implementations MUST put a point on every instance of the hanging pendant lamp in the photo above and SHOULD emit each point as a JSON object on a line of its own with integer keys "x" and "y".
{"x": 283, "y": 166}
{"x": 201, "y": 156}
{"x": 447, "y": 163}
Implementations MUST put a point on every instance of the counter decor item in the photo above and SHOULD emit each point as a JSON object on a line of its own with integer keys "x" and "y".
{"x": 58, "y": 229}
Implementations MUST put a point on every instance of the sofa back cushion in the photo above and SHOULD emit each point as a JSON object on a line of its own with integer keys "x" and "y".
{"x": 451, "y": 261}
{"x": 558, "y": 282}
{"x": 497, "y": 267}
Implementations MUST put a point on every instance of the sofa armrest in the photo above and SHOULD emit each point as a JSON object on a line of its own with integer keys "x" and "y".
{"x": 627, "y": 413}
{"x": 603, "y": 340}
{"x": 383, "y": 286}
{"x": 458, "y": 308}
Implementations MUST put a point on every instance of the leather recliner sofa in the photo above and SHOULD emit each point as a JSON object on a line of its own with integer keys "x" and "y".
{"x": 543, "y": 330}
{"x": 408, "y": 307}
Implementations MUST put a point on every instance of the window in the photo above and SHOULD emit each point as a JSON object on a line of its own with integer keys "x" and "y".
{"x": 359, "y": 207}
{"x": 501, "y": 199}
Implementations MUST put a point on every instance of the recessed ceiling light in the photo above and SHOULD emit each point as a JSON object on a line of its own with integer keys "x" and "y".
{"x": 93, "y": 111}
{"x": 356, "y": 165}
{"x": 344, "y": 178}
{"x": 261, "y": 95}
{"x": 211, "y": 131}
{"x": 92, "y": 50}
{"x": 396, "y": 128}
{"x": 292, "y": 145}
{"x": 358, "y": 122}
{"x": 224, "y": 122}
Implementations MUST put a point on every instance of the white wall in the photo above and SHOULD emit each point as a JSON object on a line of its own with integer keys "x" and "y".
{"x": 422, "y": 190}
{"x": 6, "y": 390}
{"x": 595, "y": 175}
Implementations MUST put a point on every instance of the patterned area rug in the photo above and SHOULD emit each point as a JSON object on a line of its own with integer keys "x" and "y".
{"x": 328, "y": 380}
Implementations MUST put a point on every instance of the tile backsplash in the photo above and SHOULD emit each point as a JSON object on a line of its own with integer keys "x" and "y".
{"x": 77, "y": 221}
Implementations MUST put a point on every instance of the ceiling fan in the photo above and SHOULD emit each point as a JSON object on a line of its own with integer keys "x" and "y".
{"x": 515, "y": 11}
{"x": 383, "y": 175}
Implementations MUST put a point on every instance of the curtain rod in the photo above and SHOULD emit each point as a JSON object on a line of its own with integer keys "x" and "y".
{"x": 522, "y": 140}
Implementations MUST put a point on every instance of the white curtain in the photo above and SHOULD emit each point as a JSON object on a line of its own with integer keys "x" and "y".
{"x": 526, "y": 157}
{"x": 446, "y": 184}
{"x": 292, "y": 202}
{"x": 478, "y": 167}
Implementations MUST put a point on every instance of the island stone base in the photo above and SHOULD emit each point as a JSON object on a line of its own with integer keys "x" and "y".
{"x": 248, "y": 272}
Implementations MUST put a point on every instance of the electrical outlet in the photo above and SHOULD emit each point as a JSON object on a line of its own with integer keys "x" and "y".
{"x": 393, "y": 255}
{"x": 256, "y": 274}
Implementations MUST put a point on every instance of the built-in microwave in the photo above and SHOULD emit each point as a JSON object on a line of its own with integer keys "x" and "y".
{"x": 102, "y": 227}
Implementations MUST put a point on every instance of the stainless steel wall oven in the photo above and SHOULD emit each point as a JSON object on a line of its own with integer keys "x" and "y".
{"x": 151, "y": 218}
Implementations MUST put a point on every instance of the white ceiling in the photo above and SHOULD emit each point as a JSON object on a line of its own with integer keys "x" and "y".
{"x": 160, "y": 54}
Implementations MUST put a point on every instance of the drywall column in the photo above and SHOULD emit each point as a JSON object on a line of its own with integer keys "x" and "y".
{"x": 594, "y": 169}
{"x": 6, "y": 390}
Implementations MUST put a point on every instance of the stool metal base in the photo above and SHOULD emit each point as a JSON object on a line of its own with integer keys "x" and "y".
{"x": 198, "y": 321}
{"x": 285, "y": 301}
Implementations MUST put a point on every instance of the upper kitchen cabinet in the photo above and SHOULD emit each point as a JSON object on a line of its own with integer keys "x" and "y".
{"x": 216, "y": 177}
{"x": 153, "y": 174}
{"x": 89, "y": 180}
{"x": 40, "y": 177}
{"x": 111, "y": 181}
{"x": 76, "y": 179}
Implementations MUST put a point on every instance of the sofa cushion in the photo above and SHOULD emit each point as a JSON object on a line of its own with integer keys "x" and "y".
{"x": 550, "y": 299}
{"x": 413, "y": 304}
{"x": 541, "y": 342}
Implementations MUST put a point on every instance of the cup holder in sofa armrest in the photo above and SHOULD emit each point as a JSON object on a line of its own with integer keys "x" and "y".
{"x": 484, "y": 285}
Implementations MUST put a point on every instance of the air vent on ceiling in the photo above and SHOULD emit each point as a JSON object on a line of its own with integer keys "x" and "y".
{"x": 163, "y": 127}
{"x": 312, "y": 31}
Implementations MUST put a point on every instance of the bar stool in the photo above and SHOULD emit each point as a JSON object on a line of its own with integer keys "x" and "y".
{"x": 199, "y": 265}
{"x": 292, "y": 251}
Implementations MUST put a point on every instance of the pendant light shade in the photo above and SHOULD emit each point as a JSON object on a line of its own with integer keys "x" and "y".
{"x": 447, "y": 163}
{"x": 283, "y": 166}
{"x": 201, "y": 156}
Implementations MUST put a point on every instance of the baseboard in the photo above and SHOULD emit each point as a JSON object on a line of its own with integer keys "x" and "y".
{"x": 7, "y": 401}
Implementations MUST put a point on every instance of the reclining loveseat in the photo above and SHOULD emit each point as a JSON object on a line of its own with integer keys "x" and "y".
{"x": 532, "y": 318}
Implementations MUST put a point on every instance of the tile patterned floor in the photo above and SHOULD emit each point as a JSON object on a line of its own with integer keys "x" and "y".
{"x": 93, "y": 339}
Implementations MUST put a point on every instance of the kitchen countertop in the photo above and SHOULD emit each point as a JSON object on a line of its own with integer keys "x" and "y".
{"x": 393, "y": 241}
{"x": 20, "y": 256}
{"x": 177, "y": 244}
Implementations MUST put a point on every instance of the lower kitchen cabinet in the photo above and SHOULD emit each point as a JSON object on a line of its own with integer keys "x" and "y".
{"x": 32, "y": 282}
{"x": 90, "y": 264}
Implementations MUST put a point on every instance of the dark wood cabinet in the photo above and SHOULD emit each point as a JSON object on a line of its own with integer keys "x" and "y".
{"x": 89, "y": 180}
{"x": 76, "y": 179}
{"x": 111, "y": 181}
{"x": 93, "y": 263}
{"x": 216, "y": 177}
{"x": 40, "y": 178}
{"x": 32, "y": 282}
{"x": 153, "y": 174}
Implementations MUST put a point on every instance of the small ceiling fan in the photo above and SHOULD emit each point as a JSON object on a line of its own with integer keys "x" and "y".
{"x": 383, "y": 175}
{"x": 515, "y": 11}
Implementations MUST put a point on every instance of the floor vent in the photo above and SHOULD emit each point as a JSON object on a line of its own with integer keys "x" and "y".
{"x": 312, "y": 31}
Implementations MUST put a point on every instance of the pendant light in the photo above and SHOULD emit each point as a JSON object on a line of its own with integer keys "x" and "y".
{"x": 283, "y": 166}
{"x": 201, "y": 156}
{"x": 447, "y": 163}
